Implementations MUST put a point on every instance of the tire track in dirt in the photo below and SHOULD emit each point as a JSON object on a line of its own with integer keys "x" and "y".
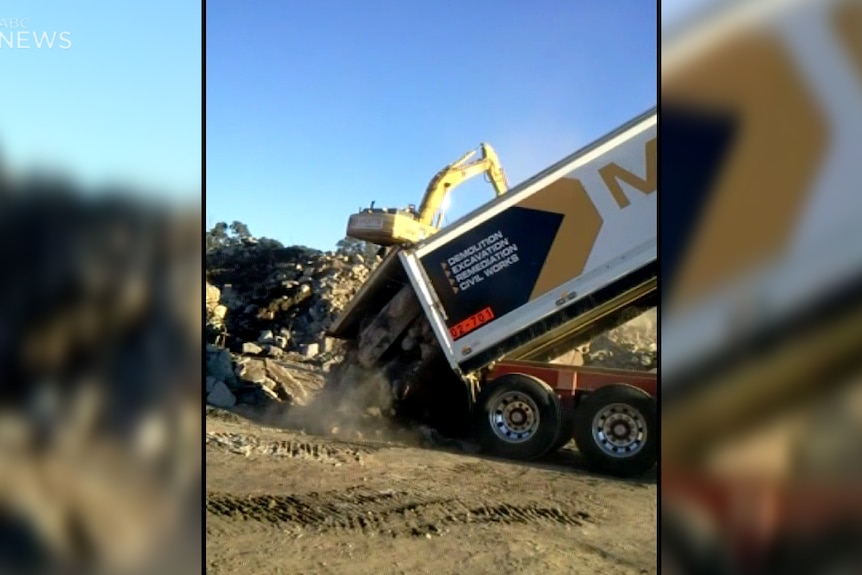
{"x": 392, "y": 513}
{"x": 293, "y": 449}
{"x": 469, "y": 468}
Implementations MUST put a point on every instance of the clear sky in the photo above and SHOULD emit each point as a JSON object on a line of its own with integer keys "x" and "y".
{"x": 317, "y": 108}
{"x": 124, "y": 101}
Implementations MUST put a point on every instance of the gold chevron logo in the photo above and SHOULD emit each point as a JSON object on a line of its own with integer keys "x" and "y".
{"x": 847, "y": 22}
{"x": 762, "y": 188}
{"x": 576, "y": 236}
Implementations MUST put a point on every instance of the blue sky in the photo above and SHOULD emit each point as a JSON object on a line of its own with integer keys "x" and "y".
{"x": 317, "y": 108}
{"x": 123, "y": 102}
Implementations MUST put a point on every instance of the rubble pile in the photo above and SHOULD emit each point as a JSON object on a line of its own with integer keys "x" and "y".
{"x": 236, "y": 379}
{"x": 630, "y": 346}
{"x": 633, "y": 345}
{"x": 276, "y": 300}
{"x": 267, "y": 310}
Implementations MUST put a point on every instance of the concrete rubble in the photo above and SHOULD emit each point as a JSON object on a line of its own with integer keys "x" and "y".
{"x": 277, "y": 300}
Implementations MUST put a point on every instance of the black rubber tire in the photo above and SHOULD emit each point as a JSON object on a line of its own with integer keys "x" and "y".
{"x": 548, "y": 408}
{"x": 598, "y": 459}
{"x": 567, "y": 427}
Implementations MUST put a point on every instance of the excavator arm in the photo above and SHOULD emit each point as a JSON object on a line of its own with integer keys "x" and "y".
{"x": 456, "y": 173}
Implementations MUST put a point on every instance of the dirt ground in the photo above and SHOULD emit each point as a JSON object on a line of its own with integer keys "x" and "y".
{"x": 281, "y": 501}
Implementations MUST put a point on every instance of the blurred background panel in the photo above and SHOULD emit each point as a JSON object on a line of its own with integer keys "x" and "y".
{"x": 100, "y": 315}
{"x": 761, "y": 318}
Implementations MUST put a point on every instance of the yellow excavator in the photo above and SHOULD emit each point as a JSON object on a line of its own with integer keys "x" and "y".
{"x": 391, "y": 226}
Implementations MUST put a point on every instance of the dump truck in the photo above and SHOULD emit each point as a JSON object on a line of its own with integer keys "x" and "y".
{"x": 761, "y": 277}
{"x": 464, "y": 324}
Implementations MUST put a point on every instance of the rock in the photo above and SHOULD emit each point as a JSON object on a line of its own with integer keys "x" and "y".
{"x": 315, "y": 313}
{"x": 253, "y": 372}
{"x": 213, "y": 294}
{"x": 310, "y": 350}
{"x": 428, "y": 350}
{"x": 327, "y": 344}
{"x": 214, "y": 328}
{"x": 230, "y": 297}
{"x": 282, "y": 393}
{"x": 285, "y": 384}
{"x": 279, "y": 372}
{"x": 573, "y": 357}
{"x": 273, "y": 351}
{"x": 281, "y": 341}
{"x": 210, "y": 383}
{"x": 251, "y": 348}
{"x": 408, "y": 343}
{"x": 219, "y": 365}
{"x": 265, "y": 337}
{"x": 221, "y": 396}
{"x": 373, "y": 412}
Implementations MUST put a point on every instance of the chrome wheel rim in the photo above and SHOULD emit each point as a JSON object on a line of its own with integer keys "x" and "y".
{"x": 514, "y": 417}
{"x": 619, "y": 430}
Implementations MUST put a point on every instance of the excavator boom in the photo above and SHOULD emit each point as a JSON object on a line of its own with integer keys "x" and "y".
{"x": 457, "y": 173}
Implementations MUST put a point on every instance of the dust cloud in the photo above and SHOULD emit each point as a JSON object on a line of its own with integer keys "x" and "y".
{"x": 355, "y": 404}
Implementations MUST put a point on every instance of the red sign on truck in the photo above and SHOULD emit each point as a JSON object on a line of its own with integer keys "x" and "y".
{"x": 472, "y": 323}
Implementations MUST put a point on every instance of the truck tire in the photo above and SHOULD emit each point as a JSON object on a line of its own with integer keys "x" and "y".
{"x": 517, "y": 417}
{"x": 567, "y": 427}
{"x": 615, "y": 429}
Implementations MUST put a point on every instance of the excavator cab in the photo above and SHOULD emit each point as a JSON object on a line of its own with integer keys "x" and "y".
{"x": 392, "y": 226}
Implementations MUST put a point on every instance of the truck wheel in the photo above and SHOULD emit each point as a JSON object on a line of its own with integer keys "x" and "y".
{"x": 517, "y": 417}
{"x": 615, "y": 429}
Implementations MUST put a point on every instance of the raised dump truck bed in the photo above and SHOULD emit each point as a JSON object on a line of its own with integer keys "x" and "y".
{"x": 570, "y": 246}
{"x": 569, "y": 249}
